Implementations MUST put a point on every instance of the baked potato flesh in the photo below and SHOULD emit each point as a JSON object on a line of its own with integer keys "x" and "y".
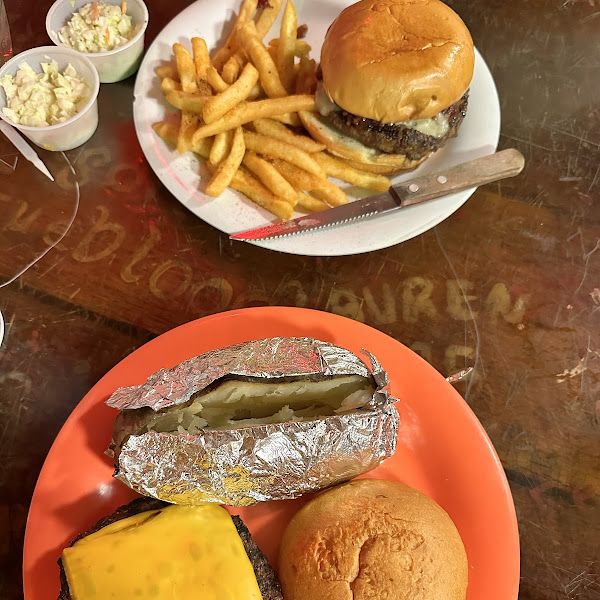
{"x": 233, "y": 404}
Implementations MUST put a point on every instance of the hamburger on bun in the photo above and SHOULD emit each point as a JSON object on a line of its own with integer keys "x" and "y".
{"x": 395, "y": 79}
{"x": 370, "y": 539}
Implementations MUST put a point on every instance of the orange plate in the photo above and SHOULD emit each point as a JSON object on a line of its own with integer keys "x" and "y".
{"x": 442, "y": 450}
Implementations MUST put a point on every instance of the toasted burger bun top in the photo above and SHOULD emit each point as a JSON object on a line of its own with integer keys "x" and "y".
{"x": 372, "y": 539}
{"x": 397, "y": 60}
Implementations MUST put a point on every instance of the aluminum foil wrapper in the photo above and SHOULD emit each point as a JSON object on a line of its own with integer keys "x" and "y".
{"x": 266, "y": 359}
{"x": 240, "y": 467}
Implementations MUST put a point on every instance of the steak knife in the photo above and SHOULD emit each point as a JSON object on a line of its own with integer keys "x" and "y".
{"x": 500, "y": 165}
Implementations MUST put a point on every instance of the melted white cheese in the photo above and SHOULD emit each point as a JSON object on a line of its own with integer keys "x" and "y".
{"x": 436, "y": 126}
{"x": 325, "y": 105}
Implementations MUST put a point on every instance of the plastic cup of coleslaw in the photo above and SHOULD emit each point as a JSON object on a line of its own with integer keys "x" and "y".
{"x": 112, "y": 65}
{"x": 74, "y": 131}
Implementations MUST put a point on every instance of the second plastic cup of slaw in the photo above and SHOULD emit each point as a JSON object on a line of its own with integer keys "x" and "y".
{"x": 112, "y": 65}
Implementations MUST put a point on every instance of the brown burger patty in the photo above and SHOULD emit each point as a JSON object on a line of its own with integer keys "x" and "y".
{"x": 398, "y": 139}
{"x": 268, "y": 584}
{"x": 265, "y": 576}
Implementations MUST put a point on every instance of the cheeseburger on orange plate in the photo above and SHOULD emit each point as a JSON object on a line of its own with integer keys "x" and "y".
{"x": 395, "y": 79}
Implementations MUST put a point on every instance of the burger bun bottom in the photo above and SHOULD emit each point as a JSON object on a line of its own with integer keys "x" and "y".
{"x": 372, "y": 539}
{"x": 361, "y": 156}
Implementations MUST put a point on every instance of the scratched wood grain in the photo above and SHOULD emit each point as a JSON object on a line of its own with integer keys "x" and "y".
{"x": 53, "y": 353}
{"x": 509, "y": 284}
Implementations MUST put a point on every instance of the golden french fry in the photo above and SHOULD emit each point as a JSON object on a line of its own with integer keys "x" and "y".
{"x": 185, "y": 67}
{"x": 187, "y": 76}
{"x": 169, "y": 132}
{"x": 123, "y": 7}
{"x": 202, "y": 147}
{"x": 231, "y": 69}
{"x": 281, "y": 132}
{"x": 381, "y": 169}
{"x": 246, "y": 13}
{"x": 255, "y": 92}
{"x": 260, "y": 57}
{"x": 267, "y": 18}
{"x": 306, "y": 78}
{"x": 258, "y": 193}
{"x": 330, "y": 193}
{"x": 167, "y": 71}
{"x": 285, "y": 47}
{"x": 201, "y": 57}
{"x": 220, "y": 147}
{"x": 215, "y": 80}
{"x": 227, "y": 168}
{"x": 337, "y": 168}
{"x": 310, "y": 204}
{"x": 204, "y": 88}
{"x": 189, "y": 67}
{"x": 270, "y": 177}
{"x": 167, "y": 84}
{"x": 248, "y": 111}
{"x": 298, "y": 178}
{"x": 189, "y": 124}
{"x": 186, "y": 102}
{"x": 274, "y": 148}
{"x": 291, "y": 119}
{"x": 301, "y": 48}
{"x": 226, "y": 51}
{"x": 303, "y": 180}
{"x": 218, "y": 105}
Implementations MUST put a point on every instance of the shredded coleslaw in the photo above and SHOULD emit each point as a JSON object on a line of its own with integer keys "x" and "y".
{"x": 46, "y": 98}
{"x": 98, "y": 27}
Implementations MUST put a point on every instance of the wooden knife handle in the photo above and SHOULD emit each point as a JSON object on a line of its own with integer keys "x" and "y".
{"x": 500, "y": 165}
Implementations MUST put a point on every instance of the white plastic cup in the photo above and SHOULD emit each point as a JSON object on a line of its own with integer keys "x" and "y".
{"x": 113, "y": 65}
{"x": 74, "y": 131}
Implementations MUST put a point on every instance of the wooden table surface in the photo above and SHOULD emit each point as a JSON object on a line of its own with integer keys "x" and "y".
{"x": 508, "y": 284}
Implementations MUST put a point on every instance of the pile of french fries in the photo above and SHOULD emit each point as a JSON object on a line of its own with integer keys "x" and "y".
{"x": 239, "y": 111}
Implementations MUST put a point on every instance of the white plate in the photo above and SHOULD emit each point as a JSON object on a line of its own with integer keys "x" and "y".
{"x": 233, "y": 212}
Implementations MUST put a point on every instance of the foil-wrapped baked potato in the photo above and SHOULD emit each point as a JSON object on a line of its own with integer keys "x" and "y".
{"x": 264, "y": 420}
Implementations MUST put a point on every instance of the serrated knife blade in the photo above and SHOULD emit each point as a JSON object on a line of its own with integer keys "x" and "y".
{"x": 500, "y": 165}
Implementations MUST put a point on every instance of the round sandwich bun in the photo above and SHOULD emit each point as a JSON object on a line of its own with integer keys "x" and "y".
{"x": 397, "y": 60}
{"x": 372, "y": 539}
{"x": 346, "y": 147}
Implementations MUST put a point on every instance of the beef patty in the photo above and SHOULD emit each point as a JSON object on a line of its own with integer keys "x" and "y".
{"x": 265, "y": 576}
{"x": 398, "y": 138}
